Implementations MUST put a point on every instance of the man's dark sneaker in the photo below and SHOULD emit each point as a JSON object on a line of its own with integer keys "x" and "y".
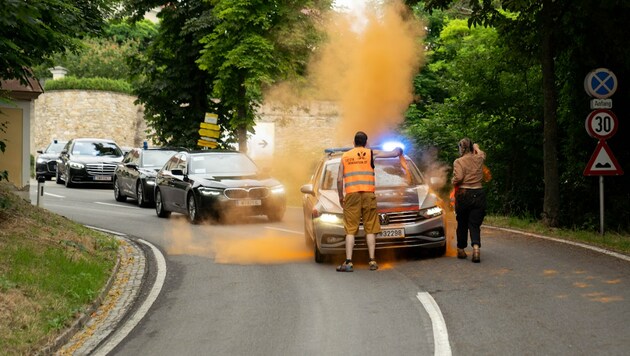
{"x": 476, "y": 257}
{"x": 461, "y": 253}
{"x": 373, "y": 265}
{"x": 345, "y": 267}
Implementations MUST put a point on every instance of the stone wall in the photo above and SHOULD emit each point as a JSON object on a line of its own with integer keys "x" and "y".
{"x": 67, "y": 114}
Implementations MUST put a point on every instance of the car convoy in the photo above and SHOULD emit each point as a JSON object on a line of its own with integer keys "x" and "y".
{"x": 216, "y": 185}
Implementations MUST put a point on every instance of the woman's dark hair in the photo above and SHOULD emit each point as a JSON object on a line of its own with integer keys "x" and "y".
{"x": 360, "y": 139}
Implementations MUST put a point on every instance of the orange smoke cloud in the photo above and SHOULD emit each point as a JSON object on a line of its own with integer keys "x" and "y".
{"x": 367, "y": 66}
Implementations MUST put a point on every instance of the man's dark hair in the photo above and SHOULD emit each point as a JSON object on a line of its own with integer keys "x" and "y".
{"x": 360, "y": 139}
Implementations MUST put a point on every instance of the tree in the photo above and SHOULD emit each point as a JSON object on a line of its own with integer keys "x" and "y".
{"x": 175, "y": 93}
{"x": 254, "y": 44}
{"x": 32, "y": 30}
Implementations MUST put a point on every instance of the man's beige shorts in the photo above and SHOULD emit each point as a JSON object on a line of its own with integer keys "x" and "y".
{"x": 360, "y": 205}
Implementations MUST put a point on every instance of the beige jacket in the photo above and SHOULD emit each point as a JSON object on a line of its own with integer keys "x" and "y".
{"x": 468, "y": 170}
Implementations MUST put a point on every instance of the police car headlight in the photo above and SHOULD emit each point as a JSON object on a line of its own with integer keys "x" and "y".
{"x": 431, "y": 212}
{"x": 330, "y": 218}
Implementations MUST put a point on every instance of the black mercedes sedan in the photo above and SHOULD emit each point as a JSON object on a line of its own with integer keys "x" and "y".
{"x": 217, "y": 185}
{"x": 134, "y": 177}
{"x": 88, "y": 160}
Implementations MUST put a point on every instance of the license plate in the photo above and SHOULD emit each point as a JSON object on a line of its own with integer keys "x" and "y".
{"x": 249, "y": 202}
{"x": 393, "y": 233}
{"x": 103, "y": 178}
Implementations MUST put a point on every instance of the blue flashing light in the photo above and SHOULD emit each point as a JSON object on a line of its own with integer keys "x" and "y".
{"x": 145, "y": 145}
{"x": 391, "y": 145}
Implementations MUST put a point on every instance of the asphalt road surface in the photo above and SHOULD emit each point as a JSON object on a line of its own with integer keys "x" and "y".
{"x": 252, "y": 288}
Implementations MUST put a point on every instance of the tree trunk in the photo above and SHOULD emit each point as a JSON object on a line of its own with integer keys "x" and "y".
{"x": 551, "y": 202}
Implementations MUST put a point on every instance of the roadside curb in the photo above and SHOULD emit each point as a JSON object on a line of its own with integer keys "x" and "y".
{"x": 568, "y": 242}
{"x": 112, "y": 305}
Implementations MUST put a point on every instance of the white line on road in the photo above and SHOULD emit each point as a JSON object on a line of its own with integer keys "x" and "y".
{"x": 116, "y": 205}
{"x": 131, "y": 323}
{"x": 54, "y": 195}
{"x": 592, "y": 248}
{"x": 105, "y": 230}
{"x": 440, "y": 334}
{"x": 285, "y": 230}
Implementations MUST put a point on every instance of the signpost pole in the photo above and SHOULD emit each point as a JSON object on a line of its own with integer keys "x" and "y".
{"x": 601, "y": 205}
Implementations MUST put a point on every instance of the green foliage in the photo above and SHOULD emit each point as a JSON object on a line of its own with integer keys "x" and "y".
{"x": 4, "y": 175}
{"x": 104, "y": 84}
{"x": 32, "y": 30}
{"x": 252, "y": 45}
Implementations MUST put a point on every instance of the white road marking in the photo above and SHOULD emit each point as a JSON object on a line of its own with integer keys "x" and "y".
{"x": 54, "y": 195}
{"x": 122, "y": 332}
{"x": 116, "y": 205}
{"x": 105, "y": 230}
{"x": 440, "y": 334}
{"x": 285, "y": 230}
{"x": 593, "y": 248}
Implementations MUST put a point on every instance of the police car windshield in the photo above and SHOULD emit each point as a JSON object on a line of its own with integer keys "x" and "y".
{"x": 389, "y": 173}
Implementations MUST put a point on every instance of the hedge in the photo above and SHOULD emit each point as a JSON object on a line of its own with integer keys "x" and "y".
{"x": 102, "y": 84}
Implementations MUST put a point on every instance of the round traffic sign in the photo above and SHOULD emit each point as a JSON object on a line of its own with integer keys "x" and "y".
{"x": 600, "y": 83}
{"x": 601, "y": 124}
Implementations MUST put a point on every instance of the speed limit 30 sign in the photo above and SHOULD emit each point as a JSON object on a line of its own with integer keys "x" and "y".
{"x": 601, "y": 124}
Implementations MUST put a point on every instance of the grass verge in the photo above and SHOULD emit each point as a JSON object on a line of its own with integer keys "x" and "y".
{"x": 610, "y": 240}
{"x": 51, "y": 269}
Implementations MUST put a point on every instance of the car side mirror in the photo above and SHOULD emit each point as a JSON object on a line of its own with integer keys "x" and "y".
{"x": 307, "y": 189}
{"x": 63, "y": 152}
{"x": 132, "y": 165}
{"x": 40, "y": 151}
{"x": 177, "y": 172}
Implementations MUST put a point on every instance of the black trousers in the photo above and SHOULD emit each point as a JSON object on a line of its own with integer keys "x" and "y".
{"x": 470, "y": 209}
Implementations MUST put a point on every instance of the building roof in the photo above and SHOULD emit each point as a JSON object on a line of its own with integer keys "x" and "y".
{"x": 19, "y": 91}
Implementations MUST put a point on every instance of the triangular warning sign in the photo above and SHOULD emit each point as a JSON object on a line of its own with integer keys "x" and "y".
{"x": 603, "y": 162}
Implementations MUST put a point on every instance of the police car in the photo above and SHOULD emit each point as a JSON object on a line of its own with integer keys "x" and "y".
{"x": 410, "y": 214}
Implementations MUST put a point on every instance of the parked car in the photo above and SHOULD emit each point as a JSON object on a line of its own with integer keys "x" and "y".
{"x": 410, "y": 213}
{"x": 134, "y": 177}
{"x": 88, "y": 160}
{"x": 46, "y": 162}
{"x": 217, "y": 185}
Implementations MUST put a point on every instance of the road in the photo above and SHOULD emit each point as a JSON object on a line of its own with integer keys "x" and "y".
{"x": 253, "y": 289}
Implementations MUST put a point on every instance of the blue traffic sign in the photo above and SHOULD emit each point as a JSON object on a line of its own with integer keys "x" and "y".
{"x": 600, "y": 83}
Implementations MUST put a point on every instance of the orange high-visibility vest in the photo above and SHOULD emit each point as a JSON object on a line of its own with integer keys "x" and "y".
{"x": 358, "y": 174}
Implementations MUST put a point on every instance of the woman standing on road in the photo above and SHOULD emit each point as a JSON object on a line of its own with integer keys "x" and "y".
{"x": 470, "y": 197}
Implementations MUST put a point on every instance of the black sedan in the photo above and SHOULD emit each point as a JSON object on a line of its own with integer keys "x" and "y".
{"x": 88, "y": 160}
{"x": 217, "y": 185}
{"x": 46, "y": 162}
{"x": 134, "y": 177}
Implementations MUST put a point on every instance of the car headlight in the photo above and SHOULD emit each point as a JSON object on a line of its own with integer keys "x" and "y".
{"x": 209, "y": 191}
{"x": 76, "y": 165}
{"x": 431, "y": 212}
{"x": 150, "y": 181}
{"x": 40, "y": 160}
{"x": 278, "y": 189}
{"x": 330, "y": 218}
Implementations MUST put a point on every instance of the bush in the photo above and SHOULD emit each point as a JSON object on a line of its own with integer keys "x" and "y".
{"x": 103, "y": 84}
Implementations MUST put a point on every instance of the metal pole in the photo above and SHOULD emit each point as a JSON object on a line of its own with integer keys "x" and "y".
{"x": 601, "y": 205}
{"x": 40, "y": 188}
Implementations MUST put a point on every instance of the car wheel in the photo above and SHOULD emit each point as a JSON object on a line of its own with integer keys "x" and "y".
{"x": 319, "y": 257}
{"x": 159, "y": 205}
{"x": 68, "y": 179}
{"x": 194, "y": 215}
{"x": 140, "y": 195}
{"x": 58, "y": 179}
{"x": 118, "y": 195}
